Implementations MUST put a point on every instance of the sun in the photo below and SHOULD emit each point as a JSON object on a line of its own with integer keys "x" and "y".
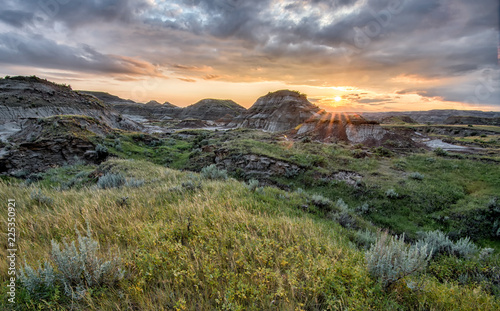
{"x": 338, "y": 98}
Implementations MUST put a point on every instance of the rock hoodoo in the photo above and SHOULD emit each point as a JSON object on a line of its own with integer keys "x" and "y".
{"x": 278, "y": 111}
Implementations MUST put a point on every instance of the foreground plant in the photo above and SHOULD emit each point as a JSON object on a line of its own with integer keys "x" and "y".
{"x": 74, "y": 268}
{"x": 390, "y": 259}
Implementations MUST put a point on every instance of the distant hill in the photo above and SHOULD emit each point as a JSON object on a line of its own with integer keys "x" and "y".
{"x": 398, "y": 120}
{"x": 151, "y": 111}
{"x": 472, "y": 120}
{"x": 212, "y": 109}
{"x": 430, "y": 116}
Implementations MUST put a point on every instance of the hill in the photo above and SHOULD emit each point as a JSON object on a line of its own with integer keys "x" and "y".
{"x": 276, "y": 112}
{"x": 212, "y": 110}
{"x": 22, "y": 98}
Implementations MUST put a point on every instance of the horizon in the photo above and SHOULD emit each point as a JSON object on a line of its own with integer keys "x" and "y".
{"x": 347, "y": 56}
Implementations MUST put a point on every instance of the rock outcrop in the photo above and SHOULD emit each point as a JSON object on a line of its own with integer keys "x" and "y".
{"x": 342, "y": 127}
{"x": 22, "y": 98}
{"x": 278, "y": 111}
{"x": 254, "y": 165}
{"x": 212, "y": 110}
{"x": 53, "y": 141}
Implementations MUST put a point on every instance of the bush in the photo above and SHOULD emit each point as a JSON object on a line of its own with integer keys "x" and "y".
{"x": 77, "y": 268}
{"x": 101, "y": 151}
{"x": 38, "y": 197}
{"x": 390, "y": 260}
{"x": 212, "y": 172}
{"x": 416, "y": 176}
{"x": 441, "y": 244}
{"x": 252, "y": 185}
{"x": 110, "y": 180}
{"x": 464, "y": 248}
{"x": 320, "y": 201}
{"x": 134, "y": 183}
{"x": 437, "y": 241}
{"x": 363, "y": 209}
{"x": 365, "y": 238}
{"x": 391, "y": 194}
{"x": 441, "y": 152}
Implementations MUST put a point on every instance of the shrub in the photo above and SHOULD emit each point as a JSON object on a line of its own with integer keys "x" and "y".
{"x": 77, "y": 268}
{"x": 363, "y": 209}
{"x": 110, "y": 180}
{"x": 416, "y": 176}
{"x": 101, "y": 151}
{"x": 134, "y": 183}
{"x": 342, "y": 205}
{"x": 441, "y": 244}
{"x": 464, "y": 248}
{"x": 212, "y": 172}
{"x": 390, "y": 260}
{"x": 252, "y": 185}
{"x": 437, "y": 241}
{"x": 38, "y": 197}
{"x": 440, "y": 152}
{"x": 382, "y": 152}
{"x": 391, "y": 194}
{"x": 365, "y": 238}
{"x": 320, "y": 201}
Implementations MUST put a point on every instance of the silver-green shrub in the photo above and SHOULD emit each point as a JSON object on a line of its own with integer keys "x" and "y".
{"x": 320, "y": 201}
{"x": 252, "y": 185}
{"x": 391, "y": 194}
{"x": 390, "y": 259}
{"x": 111, "y": 180}
{"x": 76, "y": 268}
{"x": 416, "y": 176}
{"x": 464, "y": 248}
{"x": 38, "y": 197}
{"x": 437, "y": 241}
{"x": 134, "y": 183}
{"x": 212, "y": 172}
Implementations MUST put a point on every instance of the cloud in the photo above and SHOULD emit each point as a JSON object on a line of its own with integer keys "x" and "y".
{"x": 187, "y": 80}
{"x": 365, "y": 43}
{"x": 16, "y": 18}
{"x": 36, "y": 50}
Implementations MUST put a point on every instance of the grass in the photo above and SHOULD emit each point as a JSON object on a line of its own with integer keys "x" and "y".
{"x": 220, "y": 246}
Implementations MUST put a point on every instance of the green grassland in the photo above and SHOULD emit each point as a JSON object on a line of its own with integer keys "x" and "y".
{"x": 218, "y": 246}
{"x": 187, "y": 242}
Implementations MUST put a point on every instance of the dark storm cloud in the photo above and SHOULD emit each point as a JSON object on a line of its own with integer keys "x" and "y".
{"x": 75, "y": 13}
{"x": 16, "y": 18}
{"x": 35, "y": 50}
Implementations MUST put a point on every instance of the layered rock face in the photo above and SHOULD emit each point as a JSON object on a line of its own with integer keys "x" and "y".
{"x": 342, "y": 127}
{"x": 276, "y": 112}
{"x": 212, "y": 110}
{"x": 285, "y": 110}
{"x": 57, "y": 140}
{"x": 22, "y": 98}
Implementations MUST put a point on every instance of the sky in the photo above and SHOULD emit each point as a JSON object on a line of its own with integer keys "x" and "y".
{"x": 346, "y": 55}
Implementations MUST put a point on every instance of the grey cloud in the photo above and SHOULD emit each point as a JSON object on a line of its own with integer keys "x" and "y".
{"x": 36, "y": 50}
{"x": 16, "y": 18}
